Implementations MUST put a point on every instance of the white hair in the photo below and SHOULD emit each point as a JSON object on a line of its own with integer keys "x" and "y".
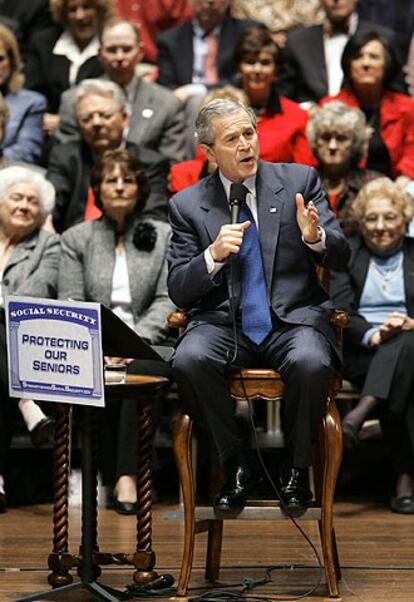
{"x": 18, "y": 174}
{"x": 100, "y": 87}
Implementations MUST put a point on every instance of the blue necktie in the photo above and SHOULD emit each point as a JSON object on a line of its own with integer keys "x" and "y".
{"x": 255, "y": 312}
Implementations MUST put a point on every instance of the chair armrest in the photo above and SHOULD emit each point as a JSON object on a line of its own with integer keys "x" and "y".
{"x": 340, "y": 318}
{"x": 177, "y": 319}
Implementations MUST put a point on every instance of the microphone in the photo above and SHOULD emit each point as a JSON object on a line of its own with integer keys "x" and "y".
{"x": 238, "y": 193}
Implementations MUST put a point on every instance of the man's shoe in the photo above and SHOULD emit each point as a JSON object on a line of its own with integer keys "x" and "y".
{"x": 232, "y": 497}
{"x": 43, "y": 432}
{"x": 294, "y": 490}
{"x": 402, "y": 505}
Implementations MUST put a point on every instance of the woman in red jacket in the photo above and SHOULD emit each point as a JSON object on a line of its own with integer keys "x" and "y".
{"x": 281, "y": 123}
{"x": 369, "y": 66}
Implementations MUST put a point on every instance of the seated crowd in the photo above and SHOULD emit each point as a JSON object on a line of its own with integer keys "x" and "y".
{"x": 97, "y": 113}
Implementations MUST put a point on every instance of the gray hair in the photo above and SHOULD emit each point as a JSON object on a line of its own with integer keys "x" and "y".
{"x": 383, "y": 188}
{"x": 100, "y": 88}
{"x": 18, "y": 174}
{"x": 219, "y": 107}
{"x": 334, "y": 115}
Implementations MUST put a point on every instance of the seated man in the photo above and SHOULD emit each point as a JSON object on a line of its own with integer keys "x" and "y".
{"x": 102, "y": 119}
{"x": 281, "y": 309}
{"x": 157, "y": 116}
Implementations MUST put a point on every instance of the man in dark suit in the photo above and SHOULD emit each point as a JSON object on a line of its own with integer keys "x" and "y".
{"x": 281, "y": 310}
{"x": 311, "y": 67}
{"x": 102, "y": 119}
{"x": 198, "y": 54}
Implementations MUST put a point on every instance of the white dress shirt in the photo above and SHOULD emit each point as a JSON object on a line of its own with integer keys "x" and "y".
{"x": 333, "y": 47}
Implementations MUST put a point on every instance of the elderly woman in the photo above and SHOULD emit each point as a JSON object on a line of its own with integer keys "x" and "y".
{"x": 338, "y": 136}
{"x": 281, "y": 122}
{"x": 378, "y": 292}
{"x": 61, "y": 57}
{"x": 119, "y": 260}
{"x": 24, "y": 131}
{"x": 29, "y": 259}
{"x": 369, "y": 66}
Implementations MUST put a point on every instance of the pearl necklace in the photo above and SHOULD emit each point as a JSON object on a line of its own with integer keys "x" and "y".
{"x": 386, "y": 275}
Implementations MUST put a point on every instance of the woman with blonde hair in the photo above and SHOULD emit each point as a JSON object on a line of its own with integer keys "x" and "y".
{"x": 24, "y": 130}
{"x": 378, "y": 292}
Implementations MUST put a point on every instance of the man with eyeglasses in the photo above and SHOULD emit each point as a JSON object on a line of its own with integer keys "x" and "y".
{"x": 102, "y": 121}
{"x": 157, "y": 115}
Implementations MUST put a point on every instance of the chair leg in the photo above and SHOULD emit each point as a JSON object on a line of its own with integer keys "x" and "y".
{"x": 333, "y": 457}
{"x": 214, "y": 543}
{"x": 182, "y": 452}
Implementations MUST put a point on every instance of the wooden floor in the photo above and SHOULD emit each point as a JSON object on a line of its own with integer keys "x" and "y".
{"x": 369, "y": 535}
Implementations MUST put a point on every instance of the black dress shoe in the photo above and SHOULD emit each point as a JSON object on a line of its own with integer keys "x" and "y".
{"x": 402, "y": 505}
{"x": 232, "y": 497}
{"x": 3, "y": 505}
{"x": 294, "y": 488}
{"x": 43, "y": 432}
{"x": 350, "y": 435}
{"x": 125, "y": 507}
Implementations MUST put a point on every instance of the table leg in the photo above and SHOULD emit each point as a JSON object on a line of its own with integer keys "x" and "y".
{"x": 60, "y": 561}
{"x": 144, "y": 558}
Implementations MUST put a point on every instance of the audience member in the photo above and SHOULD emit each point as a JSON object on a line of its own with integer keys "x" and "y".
{"x": 157, "y": 116}
{"x": 24, "y": 130}
{"x": 102, "y": 119}
{"x": 280, "y": 16}
{"x": 29, "y": 258}
{"x": 64, "y": 55}
{"x": 312, "y": 57}
{"x": 281, "y": 122}
{"x": 119, "y": 260}
{"x": 398, "y": 15}
{"x": 198, "y": 55}
{"x": 28, "y": 20}
{"x": 377, "y": 291}
{"x": 338, "y": 136}
{"x": 369, "y": 65}
{"x": 151, "y": 18}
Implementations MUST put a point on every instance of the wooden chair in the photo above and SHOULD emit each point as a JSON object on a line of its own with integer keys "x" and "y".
{"x": 265, "y": 385}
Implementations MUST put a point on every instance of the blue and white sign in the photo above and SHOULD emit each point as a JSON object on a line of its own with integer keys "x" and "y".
{"x": 55, "y": 350}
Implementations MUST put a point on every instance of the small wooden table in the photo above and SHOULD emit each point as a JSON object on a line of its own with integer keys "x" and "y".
{"x": 143, "y": 389}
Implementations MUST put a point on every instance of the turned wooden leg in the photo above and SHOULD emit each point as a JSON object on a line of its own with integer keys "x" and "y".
{"x": 215, "y": 530}
{"x": 93, "y": 434}
{"x": 60, "y": 561}
{"x": 182, "y": 452}
{"x": 333, "y": 457}
{"x": 144, "y": 556}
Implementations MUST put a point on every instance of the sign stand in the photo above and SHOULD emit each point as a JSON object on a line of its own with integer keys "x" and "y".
{"x": 118, "y": 340}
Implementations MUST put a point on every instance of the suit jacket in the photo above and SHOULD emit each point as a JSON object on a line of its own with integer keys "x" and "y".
{"x": 303, "y": 76}
{"x": 294, "y": 290}
{"x": 32, "y": 269}
{"x": 87, "y": 266}
{"x": 397, "y": 127}
{"x": 69, "y": 171}
{"x": 48, "y": 73}
{"x": 24, "y": 129}
{"x": 176, "y": 56}
{"x": 346, "y": 287}
{"x": 157, "y": 120}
